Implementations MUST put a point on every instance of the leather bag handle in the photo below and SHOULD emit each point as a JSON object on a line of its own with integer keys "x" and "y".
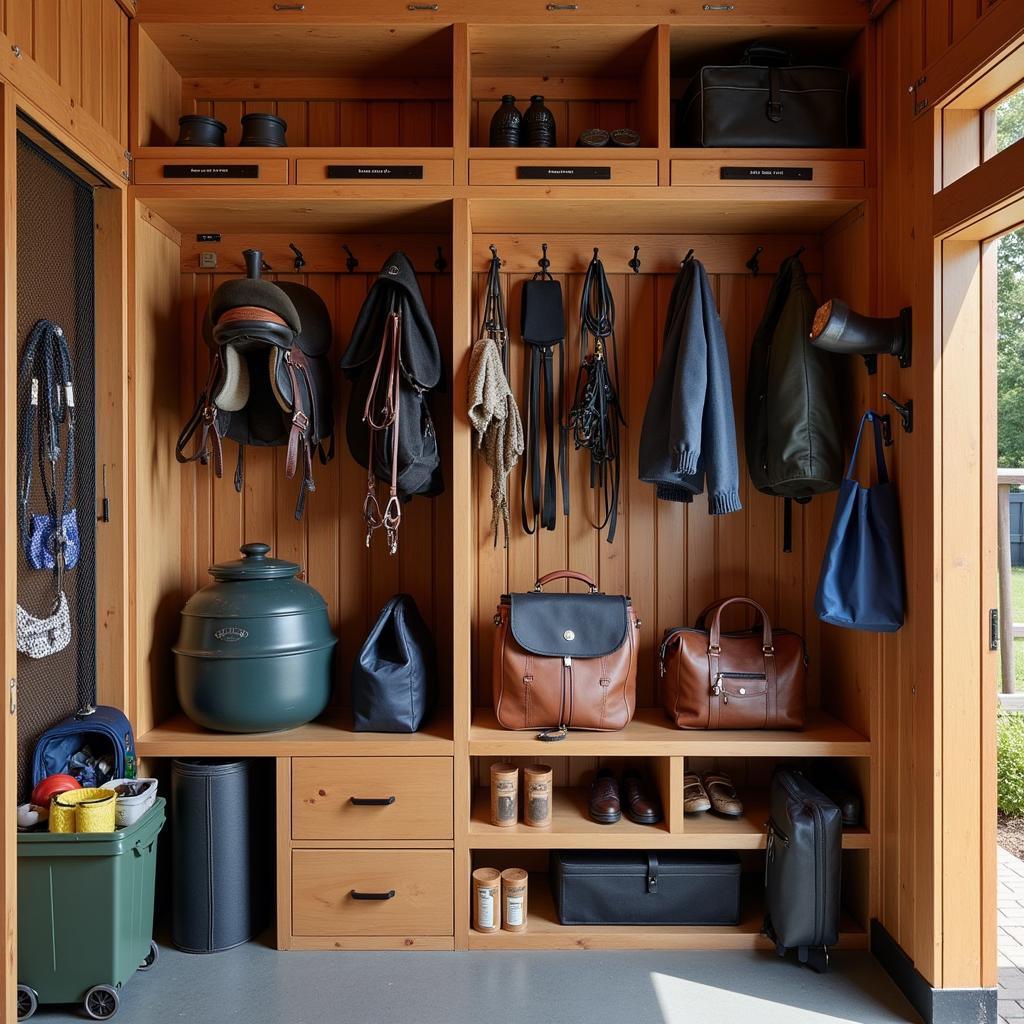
{"x": 715, "y": 635}
{"x": 565, "y": 574}
{"x": 773, "y": 56}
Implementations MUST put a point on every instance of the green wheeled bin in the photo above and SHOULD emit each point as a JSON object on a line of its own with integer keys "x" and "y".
{"x": 85, "y": 914}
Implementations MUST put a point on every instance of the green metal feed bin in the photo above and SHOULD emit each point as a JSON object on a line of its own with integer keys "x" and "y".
{"x": 85, "y": 914}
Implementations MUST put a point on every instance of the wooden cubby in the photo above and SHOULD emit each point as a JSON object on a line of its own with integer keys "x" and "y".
{"x": 364, "y": 87}
{"x": 421, "y": 91}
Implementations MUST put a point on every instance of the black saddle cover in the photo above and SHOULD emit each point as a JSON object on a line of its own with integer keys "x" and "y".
{"x": 396, "y": 290}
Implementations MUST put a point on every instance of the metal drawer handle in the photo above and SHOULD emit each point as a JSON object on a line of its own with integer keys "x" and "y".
{"x": 423, "y": 7}
{"x": 389, "y": 895}
{"x": 719, "y": 7}
{"x": 373, "y": 801}
{"x": 562, "y": 7}
{"x": 289, "y": 7}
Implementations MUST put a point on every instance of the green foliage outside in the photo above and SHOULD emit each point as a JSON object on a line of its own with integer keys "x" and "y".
{"x": 1010, "y": 763}
{"x": 1010, "y": 315}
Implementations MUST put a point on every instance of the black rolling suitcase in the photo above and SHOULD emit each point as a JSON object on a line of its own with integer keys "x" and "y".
{"x": 803, "y": 864}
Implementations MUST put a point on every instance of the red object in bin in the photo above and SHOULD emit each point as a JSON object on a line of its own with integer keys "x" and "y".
{"x": 51, "y": 786}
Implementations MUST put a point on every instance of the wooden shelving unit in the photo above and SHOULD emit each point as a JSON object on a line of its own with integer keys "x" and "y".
{"x": 419, "y": 93}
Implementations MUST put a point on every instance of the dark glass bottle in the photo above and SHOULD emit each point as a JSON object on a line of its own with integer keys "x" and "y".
{"x": 539, "y": 124}
{"x": 507, "y": 124}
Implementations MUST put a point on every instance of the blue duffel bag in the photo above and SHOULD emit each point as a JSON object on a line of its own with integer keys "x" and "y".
{"x": 107, "y": 734}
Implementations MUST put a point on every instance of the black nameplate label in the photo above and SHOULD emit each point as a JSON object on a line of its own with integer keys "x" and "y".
{"x": 211, "y": 170}
{"x": 587, "y": 173}
{"x": 208, "y": 236}
{"x": 375, "y": 171}
{"x": 766, "y": 173}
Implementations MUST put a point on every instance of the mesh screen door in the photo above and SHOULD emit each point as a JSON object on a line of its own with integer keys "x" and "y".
{"x": 55, "y": 282}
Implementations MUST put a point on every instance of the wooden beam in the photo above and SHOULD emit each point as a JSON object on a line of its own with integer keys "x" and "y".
{"x": 982, "y": 195}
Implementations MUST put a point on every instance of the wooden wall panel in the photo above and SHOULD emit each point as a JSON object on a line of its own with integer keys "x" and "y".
{"x": 155, "y": 358}
{"x": 82, "y": 45}
{"x": 329, "y": 542}
{"x": 672, "y": 559}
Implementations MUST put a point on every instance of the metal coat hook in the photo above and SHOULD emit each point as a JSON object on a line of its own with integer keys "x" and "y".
{"x": 495, "y": 256}
{"x": 905, "y": 410}
{"x": 300, "y": 260}
{"x": 440, "y": 264}
{"x": 544, "y": 262}
{"x": 799, "y": 252}
{"x": 634, "y": 263}
{"x": 753, "y": 264}
{"x": 351, "y": 263}
{"x": 265, "y": 267}
{"x": 686, "y": 259}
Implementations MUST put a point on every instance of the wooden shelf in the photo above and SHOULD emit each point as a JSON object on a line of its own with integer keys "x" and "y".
{"x": 544, "y": 932}
{"x": 331, "y": 735}
{"x": 652, "y": 734}
{"x": 571, "y": 828}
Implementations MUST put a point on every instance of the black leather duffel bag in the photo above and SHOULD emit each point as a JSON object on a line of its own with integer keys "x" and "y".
{"x": 765, "y": 101}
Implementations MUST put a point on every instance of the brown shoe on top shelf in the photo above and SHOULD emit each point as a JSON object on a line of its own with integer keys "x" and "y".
{"x": 605, "y": 808}
{"x": 642, "y": 803}
{"x": 722, "y": 794}
{"x": 695, "y": 796}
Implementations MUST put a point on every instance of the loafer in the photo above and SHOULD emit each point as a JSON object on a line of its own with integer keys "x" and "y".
{"x": 641, "y": 800}
{"x": 605, "y": 807}
{"x": 722, "y": 794}
{"x": 695, "y": 796}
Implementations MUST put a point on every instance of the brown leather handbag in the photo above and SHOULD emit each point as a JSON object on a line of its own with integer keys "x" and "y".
{"x": 565, "y": 661}
{"x": 756, "y": 679}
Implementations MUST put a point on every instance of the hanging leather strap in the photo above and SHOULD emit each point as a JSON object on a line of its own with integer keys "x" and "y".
{"x": 204, "y": 416}
{"x": 541, "y": 511}
{"x": 381, "y": 413}
{"x": 596, "y": 415}
{"x": 46, "y": 374}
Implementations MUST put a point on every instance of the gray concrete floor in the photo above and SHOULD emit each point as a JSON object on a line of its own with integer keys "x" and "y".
{"x": 255, "y": 984}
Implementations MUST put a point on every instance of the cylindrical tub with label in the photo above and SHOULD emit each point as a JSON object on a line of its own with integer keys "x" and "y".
{"x": 513, "y": 899}
{"x": 487, "y": 899}
{"x": 504, "y": 794}
{"x": 538, "y": 781}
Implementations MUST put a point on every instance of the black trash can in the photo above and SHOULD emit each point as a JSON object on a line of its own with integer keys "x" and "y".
{"x": 218, "y": 860}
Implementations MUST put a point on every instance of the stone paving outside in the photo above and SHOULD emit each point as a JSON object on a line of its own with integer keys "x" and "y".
{"x": 1011, "y": 938}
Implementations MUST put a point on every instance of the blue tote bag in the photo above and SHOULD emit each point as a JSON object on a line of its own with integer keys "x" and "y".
{"x": 861, "y": 583}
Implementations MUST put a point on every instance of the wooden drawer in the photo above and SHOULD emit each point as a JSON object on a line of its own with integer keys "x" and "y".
{"x": 831, "y": 173}
{"x": 208, "y": 169}
{"x": 563, "y": 172}
{"x": 419, "y": 791}
{"x": 418, "y": 884}
{"x": 310, "y": 171}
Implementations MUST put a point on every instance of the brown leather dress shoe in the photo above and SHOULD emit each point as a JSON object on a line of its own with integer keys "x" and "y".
{"x": 604, "y": 798}
{"x": 642, "y": 803}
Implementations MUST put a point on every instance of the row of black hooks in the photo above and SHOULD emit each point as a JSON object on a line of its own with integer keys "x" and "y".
{"x": 351, "y": 262}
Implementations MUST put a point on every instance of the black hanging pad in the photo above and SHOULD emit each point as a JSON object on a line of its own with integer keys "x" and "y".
{"x": 543, "y": 321}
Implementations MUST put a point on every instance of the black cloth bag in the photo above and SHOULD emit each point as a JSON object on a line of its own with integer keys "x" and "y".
{"x": 395, "y": 675}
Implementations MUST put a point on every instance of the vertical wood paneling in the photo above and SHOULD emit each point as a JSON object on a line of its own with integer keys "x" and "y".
{"x": 329, "y": 542}
{"x": 46, "y": 32}
{"x": 92, "y": 58}
{"x": 672, "y": 559}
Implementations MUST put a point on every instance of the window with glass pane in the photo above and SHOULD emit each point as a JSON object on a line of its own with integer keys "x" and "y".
{"x": 1009, "y": 120}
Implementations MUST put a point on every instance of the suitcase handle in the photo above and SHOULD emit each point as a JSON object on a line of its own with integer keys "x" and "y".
{"x": 372, "y": 801}
{"x": 389, "y": 895}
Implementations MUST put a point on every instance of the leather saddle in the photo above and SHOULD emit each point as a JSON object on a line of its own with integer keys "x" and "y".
{"x": 270, "y": 378}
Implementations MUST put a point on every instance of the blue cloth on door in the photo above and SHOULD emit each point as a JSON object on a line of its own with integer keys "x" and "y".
{"x": 861, "y": 584}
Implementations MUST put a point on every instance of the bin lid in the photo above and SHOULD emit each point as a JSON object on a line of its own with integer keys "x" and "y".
{"x": 94, "y": 844}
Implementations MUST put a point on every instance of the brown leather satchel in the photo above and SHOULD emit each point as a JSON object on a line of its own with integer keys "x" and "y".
{"x": 756, "y": 679}
{"x": 565, "y": 661}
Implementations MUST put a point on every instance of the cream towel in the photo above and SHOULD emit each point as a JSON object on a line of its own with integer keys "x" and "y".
{"x": 495, "y": 417}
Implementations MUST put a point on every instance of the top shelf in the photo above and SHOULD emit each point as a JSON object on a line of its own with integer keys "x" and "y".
{"x": 651, "y": 734}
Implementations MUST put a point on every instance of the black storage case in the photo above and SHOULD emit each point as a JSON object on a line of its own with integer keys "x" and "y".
{"x": 634, "y": 887}
{"x": 765, "y": 102}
